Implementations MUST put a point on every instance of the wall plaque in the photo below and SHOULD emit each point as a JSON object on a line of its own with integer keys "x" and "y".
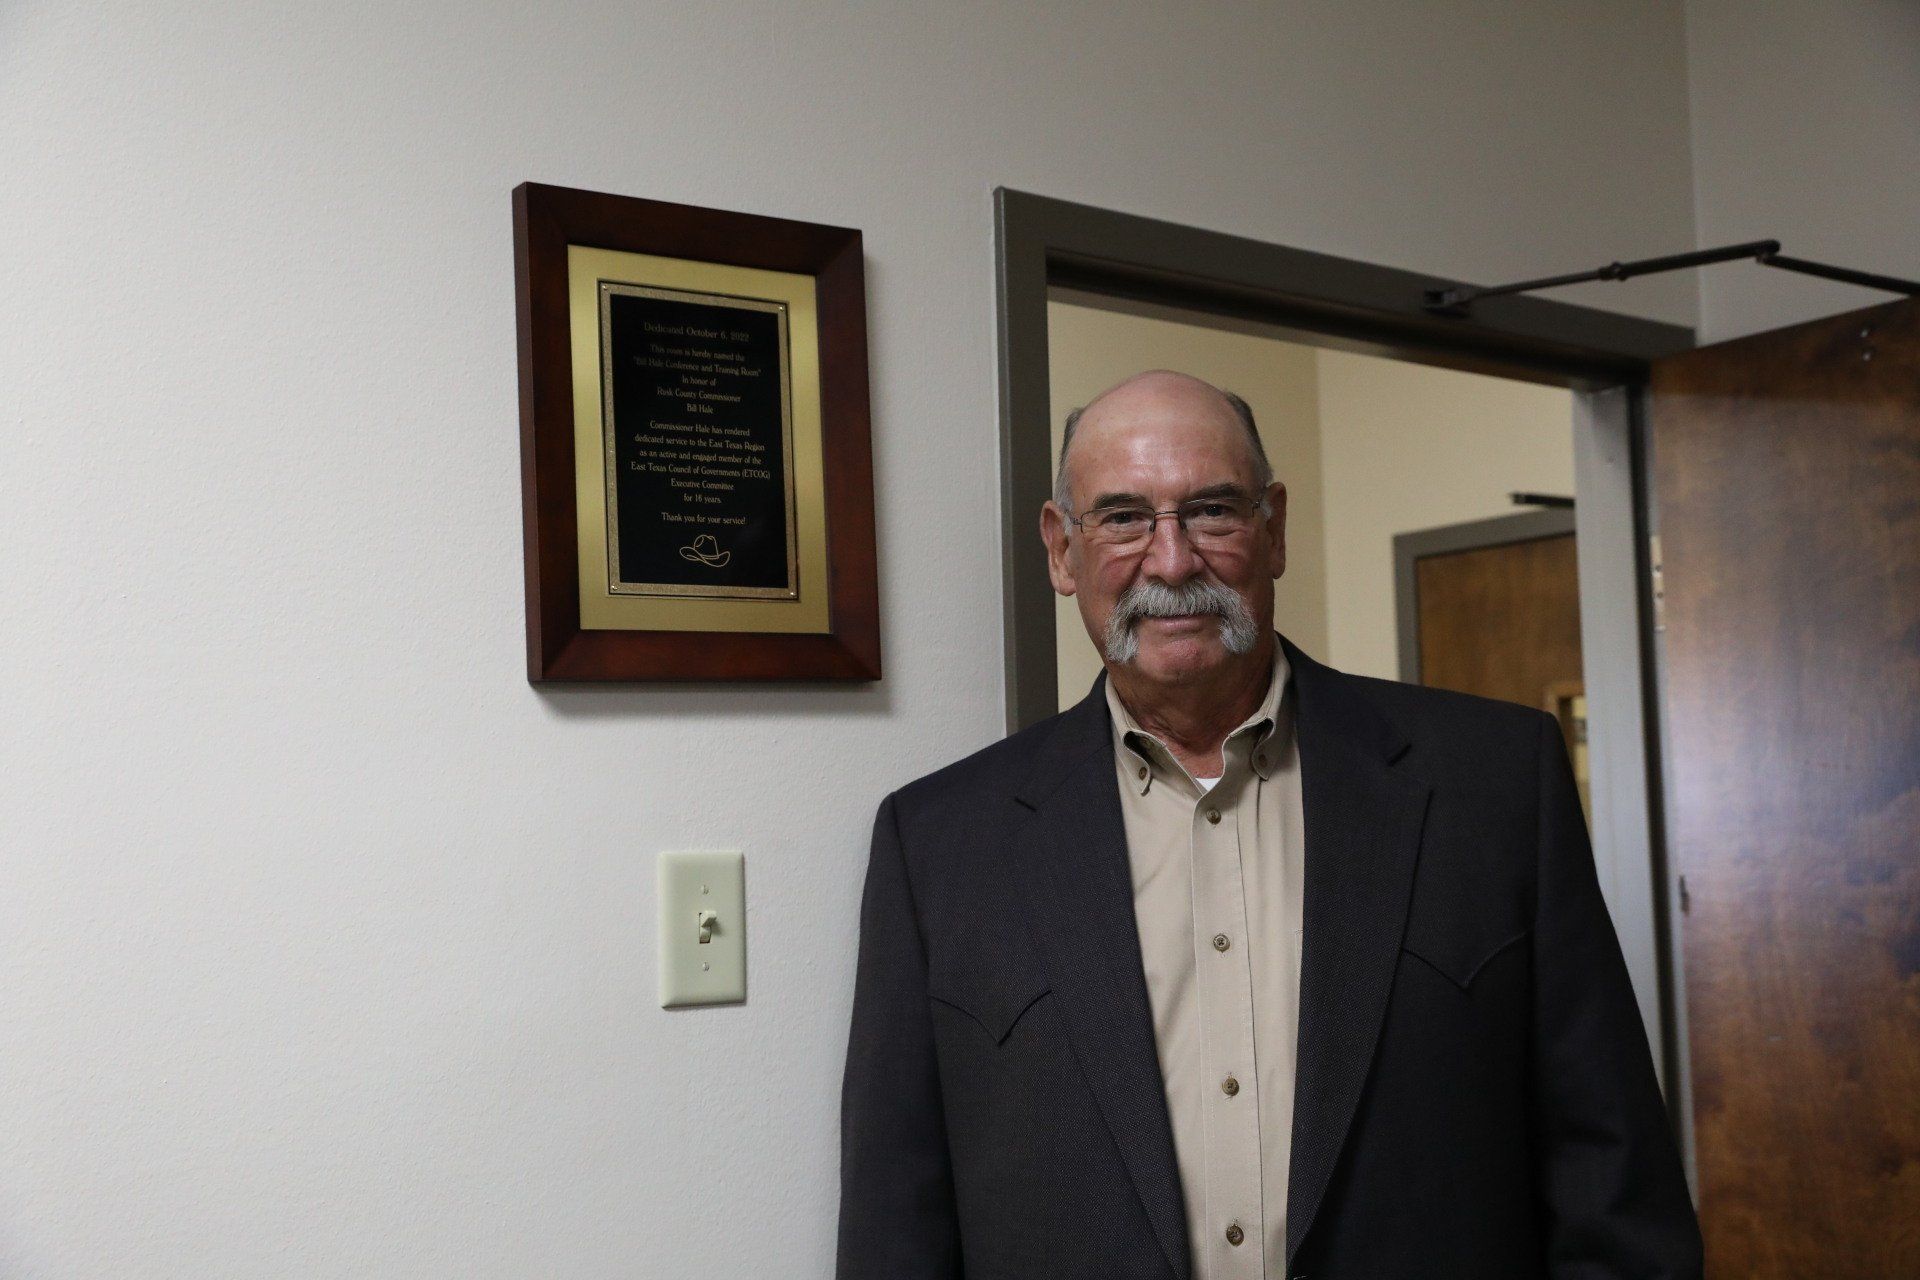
{"x": 699, "y": 440}
{"x": 696, "y": 466}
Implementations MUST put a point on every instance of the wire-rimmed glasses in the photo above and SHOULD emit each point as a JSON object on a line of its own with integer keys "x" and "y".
{"x": 1208, "y": 521}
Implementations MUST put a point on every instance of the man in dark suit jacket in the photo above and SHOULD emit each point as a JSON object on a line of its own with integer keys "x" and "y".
{"x": 1471, "y": 1092}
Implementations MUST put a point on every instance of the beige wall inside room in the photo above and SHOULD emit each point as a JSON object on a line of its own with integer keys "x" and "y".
{"x": 1368, "y": 448}
{"x": 1090, "y": 348}
{"x": 1405, "y": 447}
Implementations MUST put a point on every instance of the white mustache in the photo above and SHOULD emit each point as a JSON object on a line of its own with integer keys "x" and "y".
{"x": 1151, "y": 599}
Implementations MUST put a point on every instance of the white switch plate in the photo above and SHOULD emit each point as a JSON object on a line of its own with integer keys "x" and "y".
{"x": 694, "y": 972}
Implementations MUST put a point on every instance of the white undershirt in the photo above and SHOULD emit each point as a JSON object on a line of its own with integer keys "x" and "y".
{"x": 1206, "y": 784}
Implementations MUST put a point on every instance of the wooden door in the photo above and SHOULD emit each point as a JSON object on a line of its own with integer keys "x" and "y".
{"x": 1501, "y": 621}
{"x": 1495, "y": 610}
{"x": 1787, "y": 473}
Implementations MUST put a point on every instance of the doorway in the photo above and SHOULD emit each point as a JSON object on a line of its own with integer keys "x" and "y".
{"x": 1777, "y": 661}
{"x": 1529, "y": 396}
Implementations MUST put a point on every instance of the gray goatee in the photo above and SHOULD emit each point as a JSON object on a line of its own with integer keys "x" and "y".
{"x": 1150, "y": 599}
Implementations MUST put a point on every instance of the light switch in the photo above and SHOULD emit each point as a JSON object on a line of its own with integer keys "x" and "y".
{"x": 703, "y": 929}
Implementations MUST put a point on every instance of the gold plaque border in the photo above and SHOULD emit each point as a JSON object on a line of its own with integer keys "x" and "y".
{"x": 601, "y": 609}
{"x": 616, "y": 582}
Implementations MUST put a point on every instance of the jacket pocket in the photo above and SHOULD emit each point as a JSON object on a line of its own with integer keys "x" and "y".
{"x": 1460, "y": 958}
{"x": 993, "y": 1004}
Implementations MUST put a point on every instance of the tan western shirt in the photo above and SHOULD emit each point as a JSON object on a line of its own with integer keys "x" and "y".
{"x": 1218, "y": 877}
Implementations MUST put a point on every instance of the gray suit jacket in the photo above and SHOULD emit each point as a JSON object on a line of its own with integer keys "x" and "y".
{"x": 1475, "y": 1096}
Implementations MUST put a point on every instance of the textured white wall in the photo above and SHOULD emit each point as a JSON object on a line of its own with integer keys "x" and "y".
{"x": 327, "y": 942}
{"x": 1806, "y": 130}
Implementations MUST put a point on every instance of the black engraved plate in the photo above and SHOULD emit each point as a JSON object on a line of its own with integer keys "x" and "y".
{"x": 700, "y": 498}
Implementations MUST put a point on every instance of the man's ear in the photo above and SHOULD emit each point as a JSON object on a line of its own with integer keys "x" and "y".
{"x": 1277, "y": 529}
{"x": 1053, "y": 532}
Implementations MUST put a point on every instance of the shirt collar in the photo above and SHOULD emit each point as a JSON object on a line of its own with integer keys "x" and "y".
{"x": 1146, "y": 757}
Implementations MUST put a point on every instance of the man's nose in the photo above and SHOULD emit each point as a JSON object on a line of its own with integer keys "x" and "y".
{"x": 1170, "y": 556}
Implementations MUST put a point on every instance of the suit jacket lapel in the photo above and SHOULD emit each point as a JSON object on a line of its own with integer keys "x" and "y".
{"x": 1073, "y": 859}
{"x": 1363, "y": 820}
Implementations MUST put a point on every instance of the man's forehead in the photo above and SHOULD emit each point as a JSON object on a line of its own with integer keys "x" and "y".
{"x": 1159, "y": 395}
{"x": 1145, "y": 430}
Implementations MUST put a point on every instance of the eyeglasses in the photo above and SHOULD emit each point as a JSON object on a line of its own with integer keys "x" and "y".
{"x": 1206, "y": 521}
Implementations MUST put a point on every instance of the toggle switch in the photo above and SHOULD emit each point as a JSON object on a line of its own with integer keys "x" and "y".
{"x": 702, "y": 931}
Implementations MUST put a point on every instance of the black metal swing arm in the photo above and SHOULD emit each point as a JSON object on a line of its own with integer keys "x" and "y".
{"x": 1454, "y": 301}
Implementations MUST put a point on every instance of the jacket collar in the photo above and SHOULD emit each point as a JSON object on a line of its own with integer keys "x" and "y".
{"x": 1340, "y": 713}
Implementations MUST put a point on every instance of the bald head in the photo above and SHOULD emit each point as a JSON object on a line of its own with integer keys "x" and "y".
{"x": 1159, "y": 390}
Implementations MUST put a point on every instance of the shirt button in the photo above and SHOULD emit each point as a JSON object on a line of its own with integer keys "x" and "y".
{"x": 1234, "y": 1234}
{"x": 1143, "y": 771}
{"x": 1229, "y": 1086}
{"x": 1221, "y": 942}
{"x": 1213, "y": 816}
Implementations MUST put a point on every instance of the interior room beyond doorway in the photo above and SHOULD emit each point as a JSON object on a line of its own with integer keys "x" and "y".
{"x": 1370, "y": 449}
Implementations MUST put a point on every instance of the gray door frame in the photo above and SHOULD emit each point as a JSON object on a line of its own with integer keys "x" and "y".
{"x": 1327, "y": 301}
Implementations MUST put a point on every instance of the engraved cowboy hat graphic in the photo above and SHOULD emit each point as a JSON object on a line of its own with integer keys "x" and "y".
{"x": 706, "y": 551}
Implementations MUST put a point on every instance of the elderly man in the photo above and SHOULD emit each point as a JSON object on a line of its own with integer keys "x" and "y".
{"x": 1242, "y": 968}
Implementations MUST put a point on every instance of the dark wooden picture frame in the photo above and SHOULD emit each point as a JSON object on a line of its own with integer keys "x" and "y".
{"x": 546, "y": 220}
